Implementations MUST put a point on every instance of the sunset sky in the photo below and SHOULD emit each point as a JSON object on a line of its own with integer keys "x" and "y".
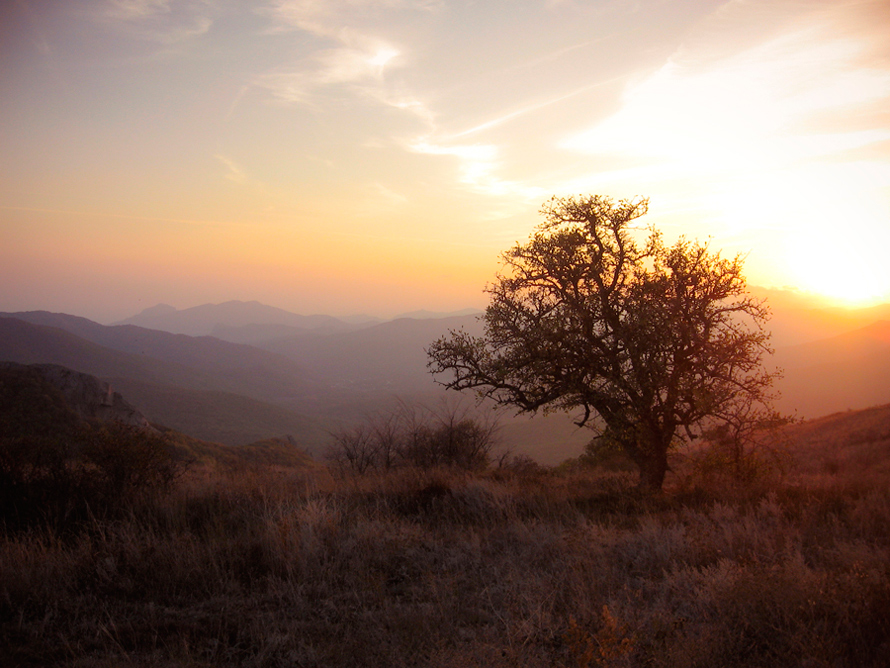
{"x": 376, "y": 156}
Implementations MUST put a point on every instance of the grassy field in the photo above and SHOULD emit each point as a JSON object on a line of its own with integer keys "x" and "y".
{"x": 263, "y": 566}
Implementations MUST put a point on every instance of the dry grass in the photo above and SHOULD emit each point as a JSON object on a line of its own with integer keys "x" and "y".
{"x": 271, "y": 567}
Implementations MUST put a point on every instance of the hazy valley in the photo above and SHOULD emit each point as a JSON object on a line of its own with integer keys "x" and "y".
{"x": 239, "y": 372}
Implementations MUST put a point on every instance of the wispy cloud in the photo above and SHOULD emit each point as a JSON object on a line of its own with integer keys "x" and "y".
{"x": 790, "y": 98}
{"x": 234, "y": 173}
{"x": 327, "y": 17}
{"x": 763, "y": 132}
{"x": 129, "y": 10}
{"x": 478, "y": 165}
{"x": 167, "y": 22}
{"x": 349, "y": 57}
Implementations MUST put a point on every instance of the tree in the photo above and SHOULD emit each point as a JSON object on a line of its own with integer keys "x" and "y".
{"x": 652, "y": 342}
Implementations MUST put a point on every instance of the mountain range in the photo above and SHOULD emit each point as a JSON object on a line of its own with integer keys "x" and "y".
{"x": 305, "y": 376}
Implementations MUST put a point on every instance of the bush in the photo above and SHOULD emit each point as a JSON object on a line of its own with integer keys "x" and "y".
{"x": 451, "y": 437}
{"x": 95, "y": 470}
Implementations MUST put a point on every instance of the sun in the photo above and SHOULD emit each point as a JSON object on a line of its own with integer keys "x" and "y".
{"x": 841, "y": 271}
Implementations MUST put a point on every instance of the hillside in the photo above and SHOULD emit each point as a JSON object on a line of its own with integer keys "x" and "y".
{"x": 308, "y": 381}
{"x": 50, "y": 408}
{"x": 27, "y": 343}
{"x": 848, "y": 371}
{"x": 248, "y": 564}
{"x": 224, "y": 417}
{"x": 204, "y": 403}
{"x": 850, "y": 443}
{"x": 389, "y": 357}
{"x": 195, "y": 362}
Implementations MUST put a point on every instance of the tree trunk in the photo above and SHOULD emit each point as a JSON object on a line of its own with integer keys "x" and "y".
{"x": 653, "y": 468}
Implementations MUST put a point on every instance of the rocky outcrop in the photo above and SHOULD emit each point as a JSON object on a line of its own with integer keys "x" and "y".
{"x": 88, "y": 397}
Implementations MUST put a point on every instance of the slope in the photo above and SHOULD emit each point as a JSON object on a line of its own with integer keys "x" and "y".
{"x": 223, "y": 417}
{"x": 237, "y": 368}
{"x": 389, "y": 357}
{"x": 197, "y": 402}
{"x": 848, "y": 371}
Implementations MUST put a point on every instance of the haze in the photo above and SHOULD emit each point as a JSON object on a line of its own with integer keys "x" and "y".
{"x": 376, "y": 156}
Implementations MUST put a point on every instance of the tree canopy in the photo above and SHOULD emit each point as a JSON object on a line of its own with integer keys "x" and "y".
{"x": 650, "y": 342}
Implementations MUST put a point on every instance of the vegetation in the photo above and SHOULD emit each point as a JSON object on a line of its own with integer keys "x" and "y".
{"x": 654, "y": 341}
{"x": 267, "y": 566}
{"x": 59, "y": 470}
{"x": 416, "y": 436}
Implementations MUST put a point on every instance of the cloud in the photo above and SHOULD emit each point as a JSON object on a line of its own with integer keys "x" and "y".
{"x": 304, "y": 82}
{"x": 347, "y": 55}
{"x": 766, "y": 138}
{"x": 164, "y": 21}
{"x": 477, "y": 167}
{"x": 775, "y": 101}
{"x": 130, "y": 10}
{"x": 477, "y": 163}
{"x": 327, "y": 17}
{"x": 235, "y": 173}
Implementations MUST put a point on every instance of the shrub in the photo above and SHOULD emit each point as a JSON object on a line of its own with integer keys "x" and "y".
{"x": 451, "y": 437}
{"x": 95, "y": 470}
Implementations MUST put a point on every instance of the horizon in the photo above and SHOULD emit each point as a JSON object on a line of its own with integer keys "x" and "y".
{"x": 786, "y": 298}
{"x": 377, "y": 157}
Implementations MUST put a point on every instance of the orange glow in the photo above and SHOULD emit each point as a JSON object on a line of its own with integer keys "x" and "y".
{"x": 378, "y": 156}
{"x": 849, "y": 272}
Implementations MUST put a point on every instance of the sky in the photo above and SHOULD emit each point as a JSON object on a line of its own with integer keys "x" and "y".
{"x": 376, "y": 156}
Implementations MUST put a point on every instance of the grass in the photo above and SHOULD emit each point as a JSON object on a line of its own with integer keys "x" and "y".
{"x": 265, "y": 566}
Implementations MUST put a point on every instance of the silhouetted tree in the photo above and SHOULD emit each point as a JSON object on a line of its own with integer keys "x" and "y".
{"x": 655, "y": 341}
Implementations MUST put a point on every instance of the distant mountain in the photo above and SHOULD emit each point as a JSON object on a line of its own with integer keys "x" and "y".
{"x": 304, "y": 381}
{"x": 206, "y": 400}
{"x": 202, "y": 363}
{"x": 431, "y": 315}
{"x": 202, "y": 320}
{"x": 260, "y": 334}
{"x": 28, "y": 343}
{"x": 389, "y": 357}
{"x": 848, "y": 371}
{"x": 800, "y": 318}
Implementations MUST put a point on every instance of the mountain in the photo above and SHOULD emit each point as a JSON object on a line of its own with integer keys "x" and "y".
{"x": 423, "y": 314}
{"x": 206, "y": 400}
{"x": 28, "y": 343}
{"x": 389, "y": 357}
{"x": 848, "y": 371}
{"x": 307, "y": 381}
{"x": 85, "y": 396}
{"x": 202, "y": 363}
{"x": 201, "y": 320}
{"x": 46, "y": 404}
{"x": 799, "y": 318}
{"x": 224, "y": 417}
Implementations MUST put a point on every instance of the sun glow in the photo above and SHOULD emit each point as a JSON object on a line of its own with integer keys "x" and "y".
{"x": 847, "y": 272}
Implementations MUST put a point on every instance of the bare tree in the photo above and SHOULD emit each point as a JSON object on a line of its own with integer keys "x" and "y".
{"x": 353, "y": 450}
{"x": 652, "y": 340}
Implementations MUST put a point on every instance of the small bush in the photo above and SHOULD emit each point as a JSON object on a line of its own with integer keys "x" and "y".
{"x": 416, "y": 437}
{"x": 95, "y": 470}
